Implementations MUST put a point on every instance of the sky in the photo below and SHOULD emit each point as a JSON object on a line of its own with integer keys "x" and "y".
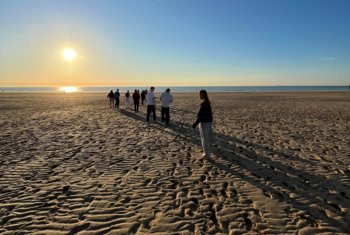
{"x": 175, "y": 42}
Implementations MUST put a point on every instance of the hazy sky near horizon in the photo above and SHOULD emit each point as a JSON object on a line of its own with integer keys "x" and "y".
{"x": 175, "y": 42}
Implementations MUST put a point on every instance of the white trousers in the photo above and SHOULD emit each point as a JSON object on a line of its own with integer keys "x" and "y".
{"x": 127, "y": 103}
{"x": 205, "y": 131}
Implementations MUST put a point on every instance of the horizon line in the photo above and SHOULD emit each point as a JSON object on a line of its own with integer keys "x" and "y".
{"x": 27, "y": 86}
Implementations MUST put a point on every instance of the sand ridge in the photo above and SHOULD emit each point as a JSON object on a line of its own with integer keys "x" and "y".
{"x": 71, "y": 165}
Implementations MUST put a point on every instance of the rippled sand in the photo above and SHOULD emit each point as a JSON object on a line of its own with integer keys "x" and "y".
{"x": 71, "y": 165}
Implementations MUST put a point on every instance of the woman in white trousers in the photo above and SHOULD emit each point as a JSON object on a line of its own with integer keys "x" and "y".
{"x": 205, "y": 120}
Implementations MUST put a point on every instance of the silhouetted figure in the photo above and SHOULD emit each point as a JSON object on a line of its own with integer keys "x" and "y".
{"x": 166, "y": 98}
{"x": 143, "y": 96}
{"x": 111, "y": 99}
{"x": 117, "y": 98}
{"x": 204, "y": 119}
{"x": 136, "y": 98}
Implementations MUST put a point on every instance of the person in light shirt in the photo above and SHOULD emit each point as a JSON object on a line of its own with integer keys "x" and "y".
{"x": 127, "y": 100}
{"x": 166, "y": 98}
{"x": 150, "y": 97}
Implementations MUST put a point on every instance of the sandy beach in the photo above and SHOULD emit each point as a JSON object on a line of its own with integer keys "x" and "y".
{"x": 72, "y": 165}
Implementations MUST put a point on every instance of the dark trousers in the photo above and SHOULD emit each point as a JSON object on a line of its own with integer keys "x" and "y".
{"x": 117, "y": 103}
{"x": 136, "y": 105}
{"x": 151, "y": 109}
{"x": 165, "y": 115}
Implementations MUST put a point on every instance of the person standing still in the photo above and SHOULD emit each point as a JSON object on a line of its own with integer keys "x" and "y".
{"x": 136, "y": 98}
{"x": 166, "y": 98}
{"x": 205, "y": 120}
{"x": 143, "y": 96}
{"x": 117, "y": 96}
{"x": 127, "y": 100}
{"x": 111, "y": 99}
{"x": 150, "y": 97}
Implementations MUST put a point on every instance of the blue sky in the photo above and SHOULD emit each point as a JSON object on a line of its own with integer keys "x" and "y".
{"x": 175, "y": 42}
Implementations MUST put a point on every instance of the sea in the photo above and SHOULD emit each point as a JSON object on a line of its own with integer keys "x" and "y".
{"x": 182, "y": 88}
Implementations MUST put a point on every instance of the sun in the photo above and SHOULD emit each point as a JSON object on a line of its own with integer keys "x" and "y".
{"x": 69, "y": 54}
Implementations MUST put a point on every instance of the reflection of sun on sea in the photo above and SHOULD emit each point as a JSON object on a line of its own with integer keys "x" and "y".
{"x": 68, "y": 89}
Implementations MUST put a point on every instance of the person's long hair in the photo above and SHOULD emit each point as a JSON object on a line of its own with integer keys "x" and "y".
{"x": 205, "y": 96}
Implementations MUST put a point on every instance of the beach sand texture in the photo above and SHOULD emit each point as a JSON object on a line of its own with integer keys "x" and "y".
{"x": 71, "y": 165}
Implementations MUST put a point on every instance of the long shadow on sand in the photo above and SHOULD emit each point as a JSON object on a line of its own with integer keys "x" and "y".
{"x": 265, "y": 172}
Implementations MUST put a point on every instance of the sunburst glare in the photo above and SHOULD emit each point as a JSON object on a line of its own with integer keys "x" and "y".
{"x": 68, "y": 89}
{"x": 69, "y": 54}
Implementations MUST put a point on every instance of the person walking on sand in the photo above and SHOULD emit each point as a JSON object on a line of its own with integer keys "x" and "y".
{"x": 205, "y": 120}
{"x": 127, "y": 100}
{"x": 136, "y": 98}
{"x": 150, "y": 97}
{"x": 111, "y": 99}
{"x": 117, "y": 96}
{"x": 166, "y": 97}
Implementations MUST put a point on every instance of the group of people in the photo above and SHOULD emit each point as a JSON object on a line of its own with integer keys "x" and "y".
{"x": 114, "y": 99}
{"x": 204, "y": 116}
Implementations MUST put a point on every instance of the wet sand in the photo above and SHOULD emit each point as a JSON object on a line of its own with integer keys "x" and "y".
{"x": 71, "y": 165}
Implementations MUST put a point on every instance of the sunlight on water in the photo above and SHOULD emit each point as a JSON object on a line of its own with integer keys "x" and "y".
{"x": 68, "y": 89}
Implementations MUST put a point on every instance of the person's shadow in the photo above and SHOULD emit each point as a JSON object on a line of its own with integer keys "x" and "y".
{"x": 265, "y": 171}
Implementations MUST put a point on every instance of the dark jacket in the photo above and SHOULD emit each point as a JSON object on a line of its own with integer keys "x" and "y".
{"x": 204, "y": 115}
{"x": 110, "y": 95}
{"x": 136, "y": 96}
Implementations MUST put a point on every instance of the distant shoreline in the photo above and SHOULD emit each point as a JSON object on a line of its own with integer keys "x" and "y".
{"x": 184, "y": 88}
